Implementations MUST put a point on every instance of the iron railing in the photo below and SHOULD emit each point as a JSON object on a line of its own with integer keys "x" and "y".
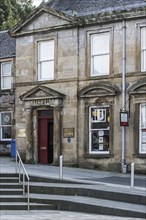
{"x": 20, "y": 169}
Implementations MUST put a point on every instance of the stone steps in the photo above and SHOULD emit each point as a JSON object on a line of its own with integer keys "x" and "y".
{"x": 9, "y": 180}
{"x": 12, "y": 198}
{"x": 128, "y": 196}
{"x": 11, "y": 191}
{"x": 91, "y": 205}
{"x": 23, "y": 206}
{"x": 52, "y": 194}
{"x": 10, "y": 186}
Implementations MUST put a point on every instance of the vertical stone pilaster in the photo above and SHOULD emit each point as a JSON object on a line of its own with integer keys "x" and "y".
{"x": 28, "y": 112}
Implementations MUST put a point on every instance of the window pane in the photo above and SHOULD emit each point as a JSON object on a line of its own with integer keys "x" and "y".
{"x": 143, "y": 141}
{"x": 5, "y": 118}
{"x": 100, "y": 44}
{"x": 6, "y": 82}
{"x": 6, "y": 132}
{"x": 45, "y": 113}
{"x": 47, "y": 70}
{"x": 143, "y": 116}
{"x": 143, "y": 148}
{"x": 100, "y": 118}
{"x": 142, "y": 130}
{"x": 99, "y": 129}
{"x": 143, "y": 60}
{"x": 143, "y": 38}
{"x": 46, "y": 50}
{"x": 100, "y": 140}
{"x": 6, "y": 69}
{"x": 101, "y": 65}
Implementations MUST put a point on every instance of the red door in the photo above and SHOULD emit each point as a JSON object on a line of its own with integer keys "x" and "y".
{"x": 45, "y": 137}
{"x": 43, "y": 141}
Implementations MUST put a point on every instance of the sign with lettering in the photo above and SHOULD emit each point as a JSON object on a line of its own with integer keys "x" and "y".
{"x": 68, "y": 132}
{"x": 40, "y": 102}
{"x": 124, "y": 119}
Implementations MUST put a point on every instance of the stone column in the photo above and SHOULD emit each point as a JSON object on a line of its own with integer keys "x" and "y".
{"x": 28, "y": 113}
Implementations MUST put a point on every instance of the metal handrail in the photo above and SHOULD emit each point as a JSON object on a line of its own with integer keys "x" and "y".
{"x": 18, "y": 164}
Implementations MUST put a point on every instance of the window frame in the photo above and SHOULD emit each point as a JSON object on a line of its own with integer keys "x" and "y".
{"x": 99, "y": 54}
{"x": 3, "y": 126}
{"x": 101, "y": 129}
{"x": 39, "y": 62}
{"x": 4, "y": 76}
{"x": 143, "y": 49}
{"x": 140, "y": 129}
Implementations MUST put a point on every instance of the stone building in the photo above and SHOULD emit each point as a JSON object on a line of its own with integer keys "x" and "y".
{"x": 7, "y": 72}
{"x": 80, "y": 88}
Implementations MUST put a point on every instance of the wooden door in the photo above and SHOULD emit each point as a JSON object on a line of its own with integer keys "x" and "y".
{"x": 45, "y": 137}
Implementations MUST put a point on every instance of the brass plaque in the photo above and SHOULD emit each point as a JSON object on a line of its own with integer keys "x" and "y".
{"x": 21, "y": 133}
{"x": 68, "y": 132}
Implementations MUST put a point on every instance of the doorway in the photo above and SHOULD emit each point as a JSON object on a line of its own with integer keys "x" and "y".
{"x": 45, "y": 136}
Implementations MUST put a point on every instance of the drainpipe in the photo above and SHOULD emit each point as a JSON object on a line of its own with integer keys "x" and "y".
{"x": 77, "y": 130}
{"x": 123, "y": 166}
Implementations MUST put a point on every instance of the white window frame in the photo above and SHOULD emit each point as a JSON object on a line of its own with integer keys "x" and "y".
{"x": 141, "y": 129}
{"x": 100, "y": 54}
{"x": 91, "y": 129}
{"x": 143, "y": 48}
{"x": 2, "y": 126}
{"x": 7, "y": 75}
{"x": 47, "y": 60}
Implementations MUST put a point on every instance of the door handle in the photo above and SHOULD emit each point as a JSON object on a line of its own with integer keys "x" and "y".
{"x": 43, "y": 148}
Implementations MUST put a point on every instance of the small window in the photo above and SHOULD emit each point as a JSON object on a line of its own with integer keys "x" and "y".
{"x": 99, "y": 128}
{"x": 6, "y": 78}
{"x": 46, "y": 60}
{"x": 143, "y": 49}
{"x": 5, "y": 125}
{"x": 142, "y": 129}
{"x": 100, "y": 54}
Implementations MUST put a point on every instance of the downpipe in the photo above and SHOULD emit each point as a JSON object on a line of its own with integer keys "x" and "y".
{"x": 123, "y": 165}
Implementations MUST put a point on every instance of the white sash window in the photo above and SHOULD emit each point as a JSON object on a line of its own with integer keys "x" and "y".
{"x": 100, "y": 54}
{"x": 6, "y": 78}
{"x": 142, "y": 129}
{"x": 46, "y": 60}
{"x": 143, "y": 49}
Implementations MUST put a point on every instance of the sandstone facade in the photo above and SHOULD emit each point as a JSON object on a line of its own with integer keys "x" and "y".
{"x": 72, "y": 94}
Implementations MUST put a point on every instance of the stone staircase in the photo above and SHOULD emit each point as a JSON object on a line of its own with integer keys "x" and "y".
{"x": 11, "y": 195}
{"x": 47, "y": 194}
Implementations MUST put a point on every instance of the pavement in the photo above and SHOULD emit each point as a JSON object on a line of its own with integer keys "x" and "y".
{"x": 56, "y": 215}
{"x": 98, "y": 178}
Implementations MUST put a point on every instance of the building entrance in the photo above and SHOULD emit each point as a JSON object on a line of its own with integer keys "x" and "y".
{"x": 45, "y": 136}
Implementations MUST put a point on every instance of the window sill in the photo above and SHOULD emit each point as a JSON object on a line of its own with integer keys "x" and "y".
{"x": 94, "y": 156}
{"x": 140, "y": 155}
{"x": 99, "y": 76}
{"x": 5, "y": 141}
{"x": 6, "y": 89}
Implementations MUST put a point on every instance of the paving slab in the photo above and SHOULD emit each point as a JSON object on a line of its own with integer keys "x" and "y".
{"x": 56, "y": 215}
